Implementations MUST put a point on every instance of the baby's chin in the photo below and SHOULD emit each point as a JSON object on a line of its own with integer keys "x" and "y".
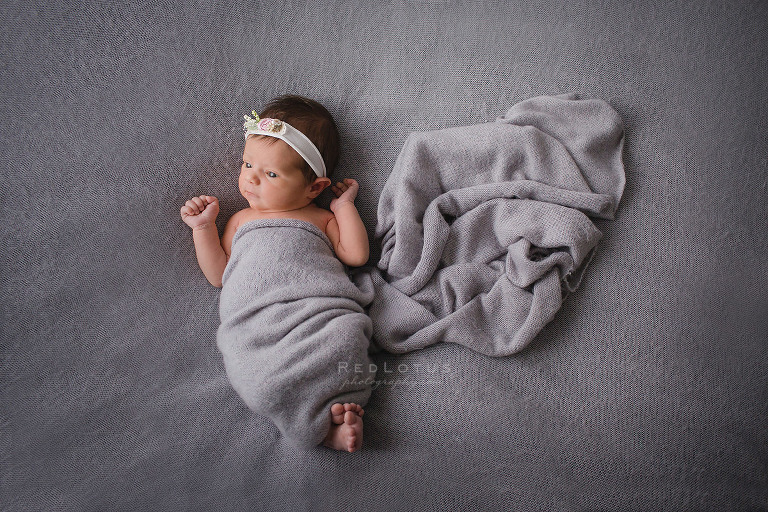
{"x": 257, "y": 205}
{"x": 251, "y": 198}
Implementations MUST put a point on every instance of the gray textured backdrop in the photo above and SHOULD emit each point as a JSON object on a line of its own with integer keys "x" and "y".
{"x": 649, "y": 391}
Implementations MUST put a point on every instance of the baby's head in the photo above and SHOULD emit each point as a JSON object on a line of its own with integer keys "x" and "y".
{"x": 313, "y": 120}
{"x": 290, "y": 149}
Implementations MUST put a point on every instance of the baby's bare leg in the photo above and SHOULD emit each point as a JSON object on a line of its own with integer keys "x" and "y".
{"x": 346, "y": 431}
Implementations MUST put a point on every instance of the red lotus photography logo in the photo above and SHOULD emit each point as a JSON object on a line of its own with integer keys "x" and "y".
{"x": 408, "y": 374}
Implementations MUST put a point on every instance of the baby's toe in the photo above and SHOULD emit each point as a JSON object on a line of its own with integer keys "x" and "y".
{"x": 351, "y": 417}
{"x": 337, "y": 414}
{"x": 356, "y": 408}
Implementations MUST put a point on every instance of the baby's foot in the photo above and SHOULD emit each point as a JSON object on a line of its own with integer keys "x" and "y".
{"x": 346, "y": 431}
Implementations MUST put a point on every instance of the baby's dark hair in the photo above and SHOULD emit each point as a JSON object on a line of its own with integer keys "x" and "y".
{"x": 313, "y": 120}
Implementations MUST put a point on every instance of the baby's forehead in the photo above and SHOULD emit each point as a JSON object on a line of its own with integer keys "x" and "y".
{"x": 268, "y": 147}
{"x": 261, "y": 142}
{"x": 272, "y": 151}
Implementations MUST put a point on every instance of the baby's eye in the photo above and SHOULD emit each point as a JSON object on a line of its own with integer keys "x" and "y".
{"x": 247, "y": 165}
{"x": 271, "y": 174}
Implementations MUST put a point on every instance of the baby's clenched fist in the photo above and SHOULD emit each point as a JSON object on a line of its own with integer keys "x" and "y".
{"x": 200, "y": 210}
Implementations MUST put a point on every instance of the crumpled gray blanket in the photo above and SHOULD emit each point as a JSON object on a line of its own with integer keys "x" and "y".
{"x": 485, "y": 228}
{"x": 294, "y": 334}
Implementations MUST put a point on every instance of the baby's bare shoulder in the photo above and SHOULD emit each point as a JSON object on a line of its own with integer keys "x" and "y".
{"x": 322, "y": 217}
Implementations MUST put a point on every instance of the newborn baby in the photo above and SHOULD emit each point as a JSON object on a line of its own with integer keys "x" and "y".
{"x": 289, "y": 150}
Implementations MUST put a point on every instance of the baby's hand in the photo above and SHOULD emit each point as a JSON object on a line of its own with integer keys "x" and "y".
{"x": 346, "y": 192}
{"x": 200, "y": 210}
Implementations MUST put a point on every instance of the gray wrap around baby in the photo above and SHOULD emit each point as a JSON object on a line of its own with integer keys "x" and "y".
{"x": 294, "y": 334}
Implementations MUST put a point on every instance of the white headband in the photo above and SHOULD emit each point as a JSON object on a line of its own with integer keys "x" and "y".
{"x": 292, "y": 136}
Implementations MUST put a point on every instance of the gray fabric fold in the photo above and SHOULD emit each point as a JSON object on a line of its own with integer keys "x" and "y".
{"x": 485, "y": 228}
{"x": 294, "y": 335}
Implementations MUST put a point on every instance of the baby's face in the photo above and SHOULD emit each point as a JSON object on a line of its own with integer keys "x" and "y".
{"x": 271, "y": 178}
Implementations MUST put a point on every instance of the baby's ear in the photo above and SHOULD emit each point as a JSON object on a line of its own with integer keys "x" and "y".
{"x": 318, "y": 186}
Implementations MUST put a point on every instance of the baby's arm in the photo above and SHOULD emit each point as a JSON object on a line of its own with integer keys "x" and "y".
{"x": 347, "y": 231}
{"x": 200, "y": 213}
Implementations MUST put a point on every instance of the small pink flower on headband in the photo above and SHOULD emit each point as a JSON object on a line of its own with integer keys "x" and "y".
{"x": 267, "y": 124}
{"x": 275, "y": 126}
